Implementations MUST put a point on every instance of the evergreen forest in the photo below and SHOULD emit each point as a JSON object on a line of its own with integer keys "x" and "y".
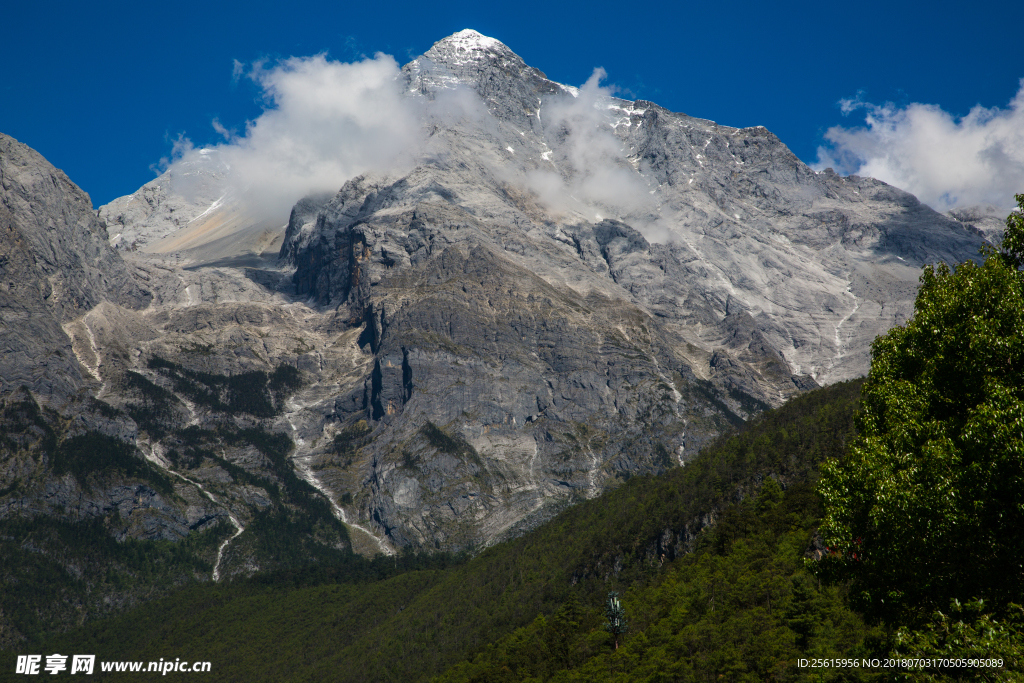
{"x": 711, "y": 560}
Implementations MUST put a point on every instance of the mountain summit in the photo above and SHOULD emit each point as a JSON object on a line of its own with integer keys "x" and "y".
{"x": 558, "y": 289}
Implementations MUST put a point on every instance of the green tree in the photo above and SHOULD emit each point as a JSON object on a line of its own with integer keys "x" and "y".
{"x": 928, "y": 505}
{"x": 615, "y": 615}
{"x": 966, "y": 632}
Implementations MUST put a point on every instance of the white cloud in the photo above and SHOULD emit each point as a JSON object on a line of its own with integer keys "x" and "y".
{"x": 222, "y": 131}
{"x": 944, "y": 160}
{"x": 595, "y": 172}
{"x": 324, "y": 122}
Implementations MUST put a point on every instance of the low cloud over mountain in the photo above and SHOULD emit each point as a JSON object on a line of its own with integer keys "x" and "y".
{"x": 947, "y": 161}
{"x": 325, "y": 121}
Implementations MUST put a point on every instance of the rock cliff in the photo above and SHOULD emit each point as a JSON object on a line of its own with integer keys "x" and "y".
{"x": 56, "y": 265}
{"x": 564, "y": 290}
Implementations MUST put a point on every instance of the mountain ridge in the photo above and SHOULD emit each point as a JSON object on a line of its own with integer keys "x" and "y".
{"x": 562, "y": 290}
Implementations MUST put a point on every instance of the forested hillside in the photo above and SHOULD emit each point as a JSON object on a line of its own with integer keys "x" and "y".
{"x": 708, "y": 559}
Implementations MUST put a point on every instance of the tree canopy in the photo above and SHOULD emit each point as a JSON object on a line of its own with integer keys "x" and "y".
{"x": 928, "y": 505}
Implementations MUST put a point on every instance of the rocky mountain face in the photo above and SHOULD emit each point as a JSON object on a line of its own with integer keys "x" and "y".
{"x": 190, "y": 212}
{"x": 56, "y": 266}
{"x": 87, "y": 438}
{"x": 564, "y": 290}
{"x": 988, "y": 221}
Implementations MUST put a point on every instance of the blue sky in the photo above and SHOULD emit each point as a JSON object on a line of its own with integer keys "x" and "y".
{"x": 102, "y": 90}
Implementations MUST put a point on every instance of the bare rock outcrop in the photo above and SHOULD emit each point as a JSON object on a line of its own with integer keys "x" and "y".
{"x": 55, "y": 264}
{"x": 564, "y": 290}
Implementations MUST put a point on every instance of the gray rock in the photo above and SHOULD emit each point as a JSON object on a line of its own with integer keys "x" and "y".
{"x": 988, "y": 221}
{"x": 191, "y": 212}
{"x": 166, "y": 204}
{"x": 55, "y": 265}
{"x": 565, "y": 290}
{"x": 731, "y": 278}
